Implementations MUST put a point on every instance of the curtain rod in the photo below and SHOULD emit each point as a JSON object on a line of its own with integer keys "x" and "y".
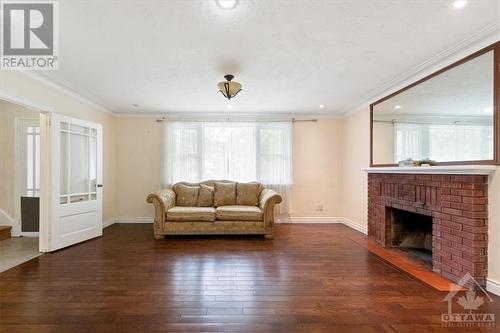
{"x": 458, "y": 122}
{"x": 293, "y": 120}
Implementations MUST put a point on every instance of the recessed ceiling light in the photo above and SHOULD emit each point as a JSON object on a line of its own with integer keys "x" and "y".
{"x": 229, "y": 106}
{"x": 226, "y": 4}
{"x": 459, "y": 3}
{"x": 398, "y": 107}
{"x": 322, "y": 106}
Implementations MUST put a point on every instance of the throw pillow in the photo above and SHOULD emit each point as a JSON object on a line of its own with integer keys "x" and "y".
{"x": 205, "y": 196}
{"x": 248, "y": 194}
{"x": 225, "y": 194}
{"x": 187, "y": 196}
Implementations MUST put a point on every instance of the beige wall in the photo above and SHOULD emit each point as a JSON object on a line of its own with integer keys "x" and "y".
{"x": 22, "y": 87}
{"x": 316, "y": 167}
{"x": 8, "y": 114}
{"x": 317, "y": 152}
{"x": 139, "y": 162}
{"x": 355, "y": 156}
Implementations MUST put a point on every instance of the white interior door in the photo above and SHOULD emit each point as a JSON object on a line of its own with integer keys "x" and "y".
{"x": 76, "y": 181}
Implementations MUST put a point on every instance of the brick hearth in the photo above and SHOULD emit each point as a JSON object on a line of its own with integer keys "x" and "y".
{"x": 458, "y": 205}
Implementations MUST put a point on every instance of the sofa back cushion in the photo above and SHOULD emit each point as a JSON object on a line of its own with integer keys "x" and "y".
{"x": 248, "y": 194}
{"x": 205, "y": 196}
{"x": 224, "y": 194}
{"x": 187, "y": 196}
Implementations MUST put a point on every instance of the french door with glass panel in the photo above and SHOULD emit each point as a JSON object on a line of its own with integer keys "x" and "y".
{"x": 76, "y": 181}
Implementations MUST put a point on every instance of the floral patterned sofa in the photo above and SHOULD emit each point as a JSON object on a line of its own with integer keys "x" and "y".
{"x": 214, "y": 207}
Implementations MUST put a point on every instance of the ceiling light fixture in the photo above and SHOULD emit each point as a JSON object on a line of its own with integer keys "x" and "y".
{"x": 398, "y": 107}
{"x": 229, "y": 106}
{"x": 459, "y": 4}
{"x": 226, "y": 4}
{"x": 229, "y": 88}
{"x": 322, "y": 106}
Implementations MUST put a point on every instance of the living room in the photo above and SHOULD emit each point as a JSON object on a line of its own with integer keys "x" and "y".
{"x": 230, "y": 165}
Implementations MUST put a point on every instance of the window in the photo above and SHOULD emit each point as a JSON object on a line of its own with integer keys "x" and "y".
{"x": 32, "y": 161}
{"x": 240, "y": 151}
{"x": 443, "y": 142}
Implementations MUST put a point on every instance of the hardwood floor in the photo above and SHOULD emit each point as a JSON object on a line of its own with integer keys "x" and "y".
{"x": 310, "y": 278}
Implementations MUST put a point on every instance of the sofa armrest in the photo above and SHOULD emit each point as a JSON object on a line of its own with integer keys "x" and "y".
{"x": 268, "y": 199}
{"x": 162, "y": 200}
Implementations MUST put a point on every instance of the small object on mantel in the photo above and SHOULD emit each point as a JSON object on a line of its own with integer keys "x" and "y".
{"x": 417, "y": 163}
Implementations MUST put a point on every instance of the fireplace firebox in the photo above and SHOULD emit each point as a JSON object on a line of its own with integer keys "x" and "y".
{"x": 410, "y": 232}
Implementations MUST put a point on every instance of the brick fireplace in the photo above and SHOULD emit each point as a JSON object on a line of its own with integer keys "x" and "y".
{"x": 458, "y": 209}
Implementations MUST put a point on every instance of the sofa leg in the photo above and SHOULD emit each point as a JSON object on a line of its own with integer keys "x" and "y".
{"x": 268, "y": 236}
{"x": 158, "y": 237}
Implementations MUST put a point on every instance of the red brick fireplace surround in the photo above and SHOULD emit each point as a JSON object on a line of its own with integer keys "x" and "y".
{"x": 458, "y": 205}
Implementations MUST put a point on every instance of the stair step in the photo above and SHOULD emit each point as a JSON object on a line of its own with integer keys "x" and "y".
{"x": 5, "y": 232}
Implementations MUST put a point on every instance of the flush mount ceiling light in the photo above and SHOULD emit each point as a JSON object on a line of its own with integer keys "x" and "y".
{"x": 398, "y": 107}
{"x": 226, "y": 4}
{"x": 229, "y": 88}
{"x": 459, "y": 4}
{"x": 322, "y": 106}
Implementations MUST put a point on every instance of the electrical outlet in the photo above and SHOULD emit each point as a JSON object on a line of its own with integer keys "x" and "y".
{"x": 319, "y": 208}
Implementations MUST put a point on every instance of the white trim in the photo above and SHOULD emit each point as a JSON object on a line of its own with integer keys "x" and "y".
{"x": 6, "y": 219}
{"x": 445, "y": 169}
{"x": 304, "y": 219}
{"x": 65, "y": 89}
{"x": 108, "y": 223}
{"x": 30, "y": 234}
{"x": 356, "y": 226}
{"x": 323, "y": 219}
{"x": 134, "y": 220}
{"x": 493, "y": 286}
{"x": 487, "y": 36}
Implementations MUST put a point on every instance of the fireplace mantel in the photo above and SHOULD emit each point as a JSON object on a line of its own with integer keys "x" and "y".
{"x": 437, "y": 170}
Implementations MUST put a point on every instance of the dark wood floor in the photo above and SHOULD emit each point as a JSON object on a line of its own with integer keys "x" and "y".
{"x": 310, "y": 278}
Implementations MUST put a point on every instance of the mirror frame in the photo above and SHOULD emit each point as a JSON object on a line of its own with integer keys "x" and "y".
{"x": 496, "y": 106}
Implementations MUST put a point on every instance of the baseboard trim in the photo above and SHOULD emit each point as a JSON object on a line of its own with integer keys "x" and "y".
{"x": 298, "y": 219}
{"x": 108, "y": 223}
{"x": 5, "y": 219}
{"x": 134, "y": 220}
{"x": 322, "y": 219}
{"x": 356, "y": 226}
{"x": 301, "y": 219}
{"x": 493, "y": 286}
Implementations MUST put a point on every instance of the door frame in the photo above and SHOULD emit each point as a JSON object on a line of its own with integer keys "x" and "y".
{"x": 45, "y": 201}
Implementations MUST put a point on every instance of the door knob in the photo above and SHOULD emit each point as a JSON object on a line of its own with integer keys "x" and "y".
{"x": 99, "y": 185}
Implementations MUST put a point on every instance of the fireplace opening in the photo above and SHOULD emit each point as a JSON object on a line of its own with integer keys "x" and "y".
{"x": 412, "y": 233}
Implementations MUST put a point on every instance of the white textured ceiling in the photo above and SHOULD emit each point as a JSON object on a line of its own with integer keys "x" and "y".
{"x": 290, "y": 55}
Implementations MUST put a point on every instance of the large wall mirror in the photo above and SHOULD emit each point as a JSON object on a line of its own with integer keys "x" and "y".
{"x": 449, "y": 117}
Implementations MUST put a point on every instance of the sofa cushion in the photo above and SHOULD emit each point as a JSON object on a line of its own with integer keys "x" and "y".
{"x": 191, "y": 214}
{"x": 187, "y": 196}
{"x": 248, "y": 194}
{"x": 205, "y": 196}
{"x": 225, "y": 194}
{"x": 238, "y": 213}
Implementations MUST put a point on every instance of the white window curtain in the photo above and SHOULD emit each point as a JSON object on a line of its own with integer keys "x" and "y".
{"x": 443, "y": 142}
{"x": 239, "y": 151}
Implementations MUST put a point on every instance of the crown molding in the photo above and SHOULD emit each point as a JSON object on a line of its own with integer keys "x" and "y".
{"x": 65, "y": 89}
{"x": 486, "y": 36}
